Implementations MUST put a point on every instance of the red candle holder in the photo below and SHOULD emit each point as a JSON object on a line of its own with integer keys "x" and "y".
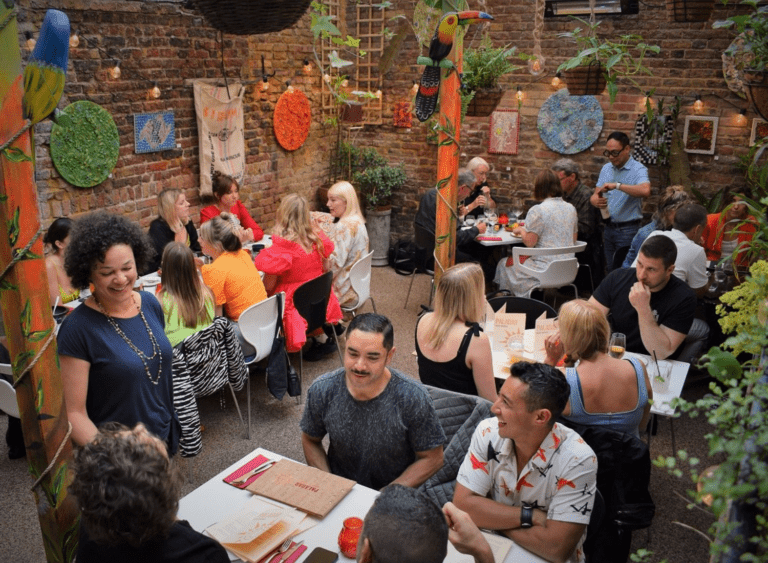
{"x": 349, "y": 536}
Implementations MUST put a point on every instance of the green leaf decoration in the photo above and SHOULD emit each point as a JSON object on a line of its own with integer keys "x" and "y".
{"x": 53, "y": 549}
{"x": 71, "y": 539}
{"x": 40, "y": 397}
{"x": 336, "y": 61}
{"x": 21, "y": 359}
{"x": 441, "y": 239}
{"x": 5, "y": 284}
{"x": 443, "y": 181}
{"x": 26, "y": 319}
{"x": 13, "y": 228}
{"x": 15, "y": 154}
{"x": 3, "y": 198}
{"x": 28, "y": 255}
{"x": 38, "y": 335}
{"x": 58, "y": 483}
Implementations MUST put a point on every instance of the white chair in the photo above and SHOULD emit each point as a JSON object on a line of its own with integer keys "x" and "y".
{"x": 8, "y": 402}
{"x": 360, "y": 276}
{"x": 257, "y": 325}
{"x": 558, "y": 273}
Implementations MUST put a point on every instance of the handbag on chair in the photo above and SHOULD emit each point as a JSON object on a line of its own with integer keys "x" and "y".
{"x": 281, "y": 376}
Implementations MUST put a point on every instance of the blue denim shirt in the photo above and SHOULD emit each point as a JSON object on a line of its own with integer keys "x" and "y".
{"x": 624, "y": 207}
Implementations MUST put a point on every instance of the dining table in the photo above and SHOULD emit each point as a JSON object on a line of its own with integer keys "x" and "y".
{"x": 216, "y": 500}
{"x": 500, "y": 238}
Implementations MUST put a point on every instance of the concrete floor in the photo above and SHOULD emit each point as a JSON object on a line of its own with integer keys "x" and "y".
{"x": 275, "y": 427}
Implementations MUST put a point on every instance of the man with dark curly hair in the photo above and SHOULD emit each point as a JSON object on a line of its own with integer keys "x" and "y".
{"x": 114, "y": 354}
{"x": 128, "y": 492}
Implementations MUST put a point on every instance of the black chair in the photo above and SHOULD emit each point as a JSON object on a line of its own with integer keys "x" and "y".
{"x": 311, "y": 301}
{"x": 425, "y": 244}
{"x": 618, "y": 257}
{"x": 531, "y": 307}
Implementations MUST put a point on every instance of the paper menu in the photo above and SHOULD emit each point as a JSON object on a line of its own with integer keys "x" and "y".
{"x": 500, "y": 546}
{"x": 508, "y": 331}
{"x": 544, "y": 329}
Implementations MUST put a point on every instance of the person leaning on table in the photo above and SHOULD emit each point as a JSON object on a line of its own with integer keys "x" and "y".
{"x": 128, "y": 494}
{"x": 172, "y": 225}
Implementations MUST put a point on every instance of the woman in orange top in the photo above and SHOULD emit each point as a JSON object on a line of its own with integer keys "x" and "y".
{"x": 726, "y": 230}
{"x": 234, "y": 280}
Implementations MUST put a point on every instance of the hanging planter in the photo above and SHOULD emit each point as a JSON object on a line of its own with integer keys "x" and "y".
{"x": 757, "y": 92}
{"x": 485, "y": 101}
{"x": 587, "y": 80}
{"x": 689, "y": 10}
{"x": 252, "y": 17}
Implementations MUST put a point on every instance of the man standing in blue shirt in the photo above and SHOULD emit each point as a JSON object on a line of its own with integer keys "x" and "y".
{"x": 621, "y": 187}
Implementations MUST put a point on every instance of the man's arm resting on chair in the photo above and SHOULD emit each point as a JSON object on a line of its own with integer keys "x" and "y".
{"x": 314, "y": 452}
{"x": 427, "y": 463}
{"x": 549, "y": 539}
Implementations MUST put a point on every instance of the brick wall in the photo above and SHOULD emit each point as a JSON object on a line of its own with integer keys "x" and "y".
{"x": 173, "y": 44}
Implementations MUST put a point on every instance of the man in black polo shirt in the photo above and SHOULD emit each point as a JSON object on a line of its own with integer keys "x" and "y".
{"x": 653, "y": 308}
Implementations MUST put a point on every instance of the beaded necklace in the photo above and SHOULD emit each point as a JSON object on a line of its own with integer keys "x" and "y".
{"x": 156, "y": 351}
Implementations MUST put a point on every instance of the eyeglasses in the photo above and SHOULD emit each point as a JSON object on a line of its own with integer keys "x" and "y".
{"x": 614, "y": 154}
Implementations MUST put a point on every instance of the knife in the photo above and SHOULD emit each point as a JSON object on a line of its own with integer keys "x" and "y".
{"x": 263, "y": 467}
{"x": 290, "y": 552}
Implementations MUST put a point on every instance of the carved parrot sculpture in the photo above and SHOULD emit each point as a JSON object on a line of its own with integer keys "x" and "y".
{"x": 439, "y": 48}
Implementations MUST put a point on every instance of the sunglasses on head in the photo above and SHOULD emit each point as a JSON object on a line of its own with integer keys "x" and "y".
{"x": 614, "y": 154}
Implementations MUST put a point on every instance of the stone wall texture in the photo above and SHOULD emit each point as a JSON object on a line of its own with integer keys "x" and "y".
{"x": 171, "y": 43}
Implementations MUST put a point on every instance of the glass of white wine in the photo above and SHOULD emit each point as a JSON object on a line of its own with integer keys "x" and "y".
{"x": 618, "y": 345}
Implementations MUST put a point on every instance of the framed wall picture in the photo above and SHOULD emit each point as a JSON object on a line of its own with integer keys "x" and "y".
{"x": 504, "y": 132}
{"x": 700, "y": 134}
{"x": 759, "y": 130}
{"x": 153, "y": 132}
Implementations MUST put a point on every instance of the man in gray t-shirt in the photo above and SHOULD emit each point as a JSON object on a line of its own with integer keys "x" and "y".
{"x": 382, "y": 426}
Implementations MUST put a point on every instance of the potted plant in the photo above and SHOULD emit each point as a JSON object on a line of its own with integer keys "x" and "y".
{"x": 751, "y": 54}
{"x": 483, "y": 67}
{"x": 600, "y": 62}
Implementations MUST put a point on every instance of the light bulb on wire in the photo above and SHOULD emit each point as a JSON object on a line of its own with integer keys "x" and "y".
{"x": 155, "y": 91}
{"x": 414, "y": 88}
{"x": 519, "y": 94}
{"x": 31, "y": 42}
{"x": 698, "y": 104}
{"x": 307, "y": 67}
{"x": 345, "y": 82}
{"x": 556, "y": 80}
{"x": 115, "y": 72}
{"x": 288, "y": 88}
{"x": 74, "y": 40}
{"x": 378, "y": 94}
{"x": 264, "y": 84}
{"x": 536, "y": 65}
{"x": 741, "y": 119}
{"x": 327, "y": 78}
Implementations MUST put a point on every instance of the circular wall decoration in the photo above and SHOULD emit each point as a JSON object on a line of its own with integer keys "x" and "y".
{"x": 735, "y": 57}
{"x": 85, "y": 144}
{"x": 570, "y": 124}
{"x": 292, "y": 119}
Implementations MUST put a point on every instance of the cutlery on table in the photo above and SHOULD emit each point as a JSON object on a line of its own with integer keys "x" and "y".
{"x": 290, "y": 552}
{"x": 244, "y": 478}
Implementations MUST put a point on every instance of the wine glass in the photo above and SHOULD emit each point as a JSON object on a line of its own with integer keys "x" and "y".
{"x": 492, "y": 218}
{"x": 517, "y": 209}
{"x": 469, "y": 220}
{"x": 618, "y": 345}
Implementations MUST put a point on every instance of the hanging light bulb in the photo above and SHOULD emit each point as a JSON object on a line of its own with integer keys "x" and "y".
{"x": 698, "y": 104}
{"x": 155, "y": 91}
{"x": 378, "y": 94}
{"x": 31, "y": 42}
{"x": 536, "y": 64}
{"x": 74, "y": 40}
{"x": 414, "y": 88}
{"x": 519, "y": 94}
{"x": 327, "y": 78}
{"x": 115, "y": 72}
{"x": 556, "y": 80}
{"x": 307, "y": 67}
{"x": 289, "y": 88}
{"x": 741, "y": 119}
{"x": 264, "y": 84}
{"x": 345, "y": 82}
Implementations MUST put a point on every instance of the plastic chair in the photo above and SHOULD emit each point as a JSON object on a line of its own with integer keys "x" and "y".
{"x": 257, "y": 325}
{"x": 425, "y": 244}
{"x": 311, "y": 301}
{"x": 360, "y": 276}
{"x": 532, "y": 308}
{"x": 8, "y": 402}
{"x": 558, "y": 273}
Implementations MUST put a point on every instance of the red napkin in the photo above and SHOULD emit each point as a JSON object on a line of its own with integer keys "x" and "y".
{"x": 275, "y": 557}
{"x": 253, "y": 464}
{"x": 488, "y": 238}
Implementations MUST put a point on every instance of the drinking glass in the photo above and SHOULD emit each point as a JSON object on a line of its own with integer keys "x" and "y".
{"x": 517, "y": 209}
{"x": 469, "y": 220}
{"x": 660, "y": 374}
{"x": 618, "y": 345}
{"x": 492, "y": 219}
{"x": 720, "y": 274}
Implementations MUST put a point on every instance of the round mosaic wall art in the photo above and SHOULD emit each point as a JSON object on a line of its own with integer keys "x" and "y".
{"x": 570, "y": 124}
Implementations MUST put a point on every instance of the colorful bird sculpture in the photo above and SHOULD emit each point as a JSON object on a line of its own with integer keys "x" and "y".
{"x": 439, "y": 48}
{"x": 46, "y": 70}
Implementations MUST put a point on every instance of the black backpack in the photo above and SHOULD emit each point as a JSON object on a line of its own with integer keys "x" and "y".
{"x": 403, "y": 256}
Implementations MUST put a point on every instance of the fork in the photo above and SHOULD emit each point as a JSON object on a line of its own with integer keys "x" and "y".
{"x": 283, "y": 548}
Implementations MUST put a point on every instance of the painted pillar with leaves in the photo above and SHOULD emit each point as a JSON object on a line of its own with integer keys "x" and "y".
{"x": 29, "y": 326}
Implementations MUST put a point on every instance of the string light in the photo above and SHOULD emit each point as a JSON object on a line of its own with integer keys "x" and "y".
{"x": 741, "y": 119}
{"x": 536, "y": 64}
{"x": 289, "y": 88}
{"x": 31, "y": 42}
{"x": 345, "y": 82}
{"x": 307, "y": 67}
{"x": 74, "y": 40}
{"x": 264, "y": 84}
{"x": 327, "y": 78}
{"x": 414, "y": 88}
{"x": 698, "y": 104}
{"x": 115, "y": 72}
{"x": 378, "y": 94}
{"x": 519, "y": 94}
{"x": 155, "y": 91}
{"x": 556, "y": 80}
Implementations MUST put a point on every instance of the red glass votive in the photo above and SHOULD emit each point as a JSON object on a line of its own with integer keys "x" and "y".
{"x": 349, "y": 536}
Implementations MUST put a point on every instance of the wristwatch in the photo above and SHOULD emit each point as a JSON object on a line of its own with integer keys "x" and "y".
{"x": 618, "y": 185}
{"x": 526, "y": 516}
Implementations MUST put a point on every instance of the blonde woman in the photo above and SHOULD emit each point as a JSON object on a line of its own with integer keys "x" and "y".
{"x": 345, "y": 226}
{"x": 296, "y": 256}
{"x": 605, "y": 391}
{"x": 188, "y": 304}
{"x": 232, "y": 277}
{"x": 452, "y": 351}
{"x": 173, "y": 224}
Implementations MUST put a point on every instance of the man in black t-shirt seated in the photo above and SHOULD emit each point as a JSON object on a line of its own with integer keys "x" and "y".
{"x": 653, "y": 308}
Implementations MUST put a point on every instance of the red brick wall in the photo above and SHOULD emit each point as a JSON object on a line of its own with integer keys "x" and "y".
{"x": 172, "y": 44}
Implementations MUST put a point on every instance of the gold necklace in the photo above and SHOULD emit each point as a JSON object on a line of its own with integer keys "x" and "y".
{"x": 156, "y": 351}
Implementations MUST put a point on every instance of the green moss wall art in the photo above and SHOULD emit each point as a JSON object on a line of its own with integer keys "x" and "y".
{"x": 85, "y": 144}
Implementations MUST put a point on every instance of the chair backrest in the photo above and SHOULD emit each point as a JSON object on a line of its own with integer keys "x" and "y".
{"x": 619, "y": 256}
{"x": 531, "y": 307}
{"x": 360, "y": 276}
{"x": 8, "y": 402}
{"x": 425, "y": 243}
{"x": 558, "y": 272}
{"x": 311, "y": 300}
{"x": 258, "y": 323}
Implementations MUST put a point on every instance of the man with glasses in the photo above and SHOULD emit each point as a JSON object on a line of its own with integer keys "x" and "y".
{"x": 621, "y": 187}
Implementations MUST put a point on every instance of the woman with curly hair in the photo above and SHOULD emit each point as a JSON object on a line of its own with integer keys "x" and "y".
{"x": 226, "y": 192}
{"x": 172, "y": 224}
{"x": 296, "y": 256}
{"x": 605, "y": 391}
{"x": 115, "y": 358}
{"x": 128, "y": 493}
{"x": 59, "y": 284}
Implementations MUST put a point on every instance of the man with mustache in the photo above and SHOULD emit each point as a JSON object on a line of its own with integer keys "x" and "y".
{"x": 381, "y": 424}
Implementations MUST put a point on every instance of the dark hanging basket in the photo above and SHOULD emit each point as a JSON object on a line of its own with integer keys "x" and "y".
{"x": 252, "y": 17}
{"x": 689, "y": 10}
{"x": 351, "y": 112}
{"x": 585, "y": 80}
{"x": 485, "y": 101}
{"x": 757, "y": 92}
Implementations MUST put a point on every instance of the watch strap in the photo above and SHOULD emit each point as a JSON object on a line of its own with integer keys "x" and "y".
{"x": 618, "y": 185}
{"x": 526, "y": 516}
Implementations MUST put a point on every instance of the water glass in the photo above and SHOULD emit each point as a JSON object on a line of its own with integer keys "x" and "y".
{"x": 618, "y": 345}
{"x": 469, "y": 220}
{"x": 660, "y": 374}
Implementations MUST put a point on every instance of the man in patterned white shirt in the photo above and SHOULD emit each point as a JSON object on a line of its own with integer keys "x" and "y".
{"x": 526, "y": 476}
